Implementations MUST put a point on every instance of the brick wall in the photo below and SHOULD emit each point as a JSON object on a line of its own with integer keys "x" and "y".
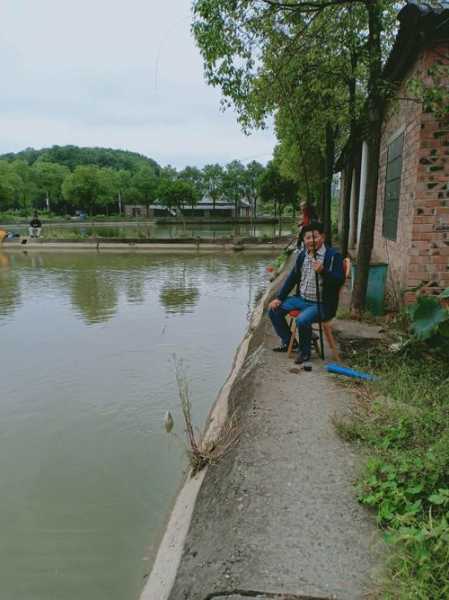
{"x": 420, "y": 253}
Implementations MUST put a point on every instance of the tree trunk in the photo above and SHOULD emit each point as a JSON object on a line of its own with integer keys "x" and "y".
{"x": 346, "y": 213}
{"x": 329, "y": 166}
{"x": 322, "y": 196}
{"x": 375, "y": 106}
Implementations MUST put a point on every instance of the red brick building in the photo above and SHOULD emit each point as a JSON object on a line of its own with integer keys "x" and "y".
{"x": 412, "y": 220}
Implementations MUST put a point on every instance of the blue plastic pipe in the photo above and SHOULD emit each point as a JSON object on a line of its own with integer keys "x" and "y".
{"x": 339, "y": 370}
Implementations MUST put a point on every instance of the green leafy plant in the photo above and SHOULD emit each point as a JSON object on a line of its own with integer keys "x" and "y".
{"x": 278, "y": 264}
{"x": 430, "y": 316}
{"x": 402, "y": 420}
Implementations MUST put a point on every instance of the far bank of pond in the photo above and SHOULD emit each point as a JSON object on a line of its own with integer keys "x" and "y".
{"x": 159, "y": 230}
{"x": 88, "y": 475}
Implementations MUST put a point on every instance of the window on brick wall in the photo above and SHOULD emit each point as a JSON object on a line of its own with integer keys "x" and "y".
{"x": 393, "y": 188}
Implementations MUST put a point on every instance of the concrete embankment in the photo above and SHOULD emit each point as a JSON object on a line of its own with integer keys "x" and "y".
{"x": 277, "y": 517}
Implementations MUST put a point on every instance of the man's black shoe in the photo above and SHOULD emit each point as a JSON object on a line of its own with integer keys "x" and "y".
{"x": 284, "y": 347}
{"x": 302, "y": 358}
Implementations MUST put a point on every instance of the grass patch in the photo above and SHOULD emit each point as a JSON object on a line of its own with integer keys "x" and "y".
{"x": 53, "y": 233}
{"x": 402, "y": 421}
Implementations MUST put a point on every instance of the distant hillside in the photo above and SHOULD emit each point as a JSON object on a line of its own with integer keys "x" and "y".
{"x": 72, "y": 156}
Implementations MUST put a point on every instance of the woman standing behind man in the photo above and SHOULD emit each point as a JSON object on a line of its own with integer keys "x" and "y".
{"x": 307, "y": 214}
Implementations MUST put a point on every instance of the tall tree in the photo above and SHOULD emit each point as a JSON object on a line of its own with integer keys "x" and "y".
{"x": 146, "y": 182}
{"x": 107, "y": 189}
{"x": 194, "y": 176}
{"x": 287, "y": 57}
{"x": 253, "y": 172}
{"x": 81, "y": 188}
{"x": 123, "y": 183}
{"x": 213, "y": 182}
{"x": 177, "y": 193}
{"x": 49, "y": 178}
{"x": 28, "y": 189}
{"x": 277, "y": 189}
{"x": 234, "y": 184}
{"x": 11, "y": 186}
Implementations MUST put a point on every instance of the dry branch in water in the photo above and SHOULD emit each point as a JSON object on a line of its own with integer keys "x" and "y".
{"x": 200, "y": 452}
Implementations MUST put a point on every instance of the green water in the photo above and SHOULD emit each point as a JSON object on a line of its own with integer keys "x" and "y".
{"x": 88, "y": 476}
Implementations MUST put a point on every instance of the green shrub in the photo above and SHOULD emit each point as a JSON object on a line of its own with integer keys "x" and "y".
{"x": 430, "y": 316}
{"x": 403, "y": 421}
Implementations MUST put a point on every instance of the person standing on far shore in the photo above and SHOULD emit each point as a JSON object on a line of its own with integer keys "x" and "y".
{"x": 307, "y": 214}
{"x": 35, "y": 227}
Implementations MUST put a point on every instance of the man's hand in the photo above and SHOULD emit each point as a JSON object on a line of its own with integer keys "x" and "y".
{"x": 318, "y": 266}
{"x": 274, "y": 304}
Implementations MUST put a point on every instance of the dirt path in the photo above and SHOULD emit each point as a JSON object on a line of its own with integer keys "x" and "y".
{"x": 278, "y": 516}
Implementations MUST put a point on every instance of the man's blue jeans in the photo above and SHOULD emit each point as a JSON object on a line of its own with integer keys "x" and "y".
{"x": 309, "y": 315}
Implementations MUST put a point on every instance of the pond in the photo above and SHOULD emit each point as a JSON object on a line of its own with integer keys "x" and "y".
{"x": 88, "y": 474}
{"x": 152, "y": 230}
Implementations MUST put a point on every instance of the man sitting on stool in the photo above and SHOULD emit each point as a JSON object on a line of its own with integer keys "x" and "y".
{"x": 329, "y": 266}
{"x": 35, "y": 226}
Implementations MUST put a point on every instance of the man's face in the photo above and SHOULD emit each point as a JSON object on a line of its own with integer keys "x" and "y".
{"x": 311, "y": 238}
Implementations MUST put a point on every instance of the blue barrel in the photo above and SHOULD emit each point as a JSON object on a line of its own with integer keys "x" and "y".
{"x": 375, "y": 294}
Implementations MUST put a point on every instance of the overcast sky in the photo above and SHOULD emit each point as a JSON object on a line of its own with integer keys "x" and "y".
{"x": 114, "y": 73}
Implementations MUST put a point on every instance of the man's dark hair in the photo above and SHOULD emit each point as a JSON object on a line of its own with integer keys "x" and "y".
{"x": 314, "y": 226}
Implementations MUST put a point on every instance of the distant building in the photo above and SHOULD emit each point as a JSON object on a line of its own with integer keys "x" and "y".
{"x": 147, "y": 211}
{"x": 204, "y": 208}
{"x": 412, "y": 220}
{"x": 223, "y": 208}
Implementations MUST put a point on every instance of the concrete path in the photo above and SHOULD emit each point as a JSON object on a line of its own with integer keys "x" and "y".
{"x": 278, "y": 517}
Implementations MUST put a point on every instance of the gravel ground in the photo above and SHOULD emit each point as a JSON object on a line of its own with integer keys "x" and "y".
{"x": 277, "y": 518}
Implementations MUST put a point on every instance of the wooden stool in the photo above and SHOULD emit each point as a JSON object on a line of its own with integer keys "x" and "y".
{"x": 294, "y": 314}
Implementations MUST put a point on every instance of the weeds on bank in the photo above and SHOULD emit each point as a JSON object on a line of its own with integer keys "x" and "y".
{"x": 49, "y": 233}
{"x": 203, "y": 452}
{"x": 403, "y": 422}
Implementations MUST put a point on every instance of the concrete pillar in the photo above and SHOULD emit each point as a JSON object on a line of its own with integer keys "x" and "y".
{"x": 340, "y": 203}
{"x": 352, "y": 211}
{"x": 363, "y": 178}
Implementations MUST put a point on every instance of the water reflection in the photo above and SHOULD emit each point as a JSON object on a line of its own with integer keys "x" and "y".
{"x": 135, "y": 288}
{"x": 95, "y": 295}
{"x": 180, "y": 294}
{"x": 10, "y": 293}
{"x": 180, "y": 300}
{"x": 97, "y": 284}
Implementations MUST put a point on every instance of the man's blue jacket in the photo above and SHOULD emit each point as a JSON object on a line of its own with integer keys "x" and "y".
{"x": 332, "y": 275}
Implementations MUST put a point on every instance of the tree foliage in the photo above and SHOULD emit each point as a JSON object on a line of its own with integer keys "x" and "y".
{"x": 314, "y": 65}
{"x": 278, "y": 190}
{"x": 74, "y": 156}
{"x": 30, "y": 180}
{"x": 176, "y": 193}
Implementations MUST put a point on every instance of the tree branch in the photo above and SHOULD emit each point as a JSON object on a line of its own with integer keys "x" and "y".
{"x": 307, "y": 6}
